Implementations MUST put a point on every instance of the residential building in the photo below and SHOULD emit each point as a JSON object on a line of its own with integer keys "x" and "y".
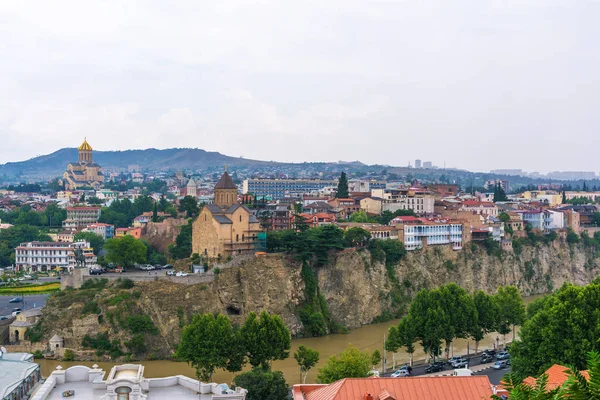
{"x": 343, "y": 208}
{"x": 557, "y": 376}
{"x": 377, "y": 231}
{"x": 593, "y": 196}
{"x": 492, "y": 183}
{"x": 18, "y": 375}
{"x": 318, "y": 219}
{"x": 127, "y": 381}
{"x": 416, "y": 199}
{"x": 107, "y": 194}
{"x": 413, "y": 388}
{"x": 226, "y": 228}
{"x": 4, "y": 226}
{"x": 47, "y": 256}
{"x": 427, "y": 164}
{"x": 479, "y": 207}
{"x": 586, "y": 213}
{"x": 318, "y": 207}
{"x": 417, "y": 233}
{"x": 135, "y": 232}
{"x": 142, "y": 220}
{"x": 418, "y": 164}
{"x": 81, "y": 216}
{"x": 84, "y": 172}
{"x": 543, "y": 220}
{"x": 278, "y": 188}
{"x": 107, "y": 231}
{"x": 66, "y": 236}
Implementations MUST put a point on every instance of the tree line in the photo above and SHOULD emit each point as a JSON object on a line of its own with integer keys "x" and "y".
{"x": 438, "y": 316}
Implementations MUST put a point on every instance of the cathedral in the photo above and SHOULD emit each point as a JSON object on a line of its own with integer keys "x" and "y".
{"x": 83, "y": 173}
{"x": 225, "y": 228}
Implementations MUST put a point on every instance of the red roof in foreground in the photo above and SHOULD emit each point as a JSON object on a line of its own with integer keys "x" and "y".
{"x": 557, "y": 375}
{"x": 410, "y": 388}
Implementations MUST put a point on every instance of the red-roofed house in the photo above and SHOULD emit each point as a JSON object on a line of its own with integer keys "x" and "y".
{"x": 557, "y": 375}
{"x": 411, "y": 388}
{"x": 135, "y": 232}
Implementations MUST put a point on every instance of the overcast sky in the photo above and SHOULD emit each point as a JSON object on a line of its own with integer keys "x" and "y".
{"x": 479, "y": 84}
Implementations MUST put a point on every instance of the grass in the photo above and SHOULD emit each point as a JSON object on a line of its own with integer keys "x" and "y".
{"x": 41, "y": 289}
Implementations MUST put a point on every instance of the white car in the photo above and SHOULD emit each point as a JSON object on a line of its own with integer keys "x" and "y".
{"x": 181, "y": 274}
{"x": 400, "y": 373}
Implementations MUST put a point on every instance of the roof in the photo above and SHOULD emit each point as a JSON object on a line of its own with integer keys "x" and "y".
{"x": 409, "y": 388}
{"x": 56, "y": 338}
{"x": 475, "y": 203}
{"x": 222, "y": 219}
{"x": 85, "y": 146}
{"x": 225, "y": 182}
{"x": 214, "y": 209}
{"x": 12, "y": 374}
{"x": 557, "y": 375}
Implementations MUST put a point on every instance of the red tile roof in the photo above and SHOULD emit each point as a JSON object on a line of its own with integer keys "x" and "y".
{"x": 411, "y": 388}
{"x": 475, "y": 203}
{"x": 557, "y": 375}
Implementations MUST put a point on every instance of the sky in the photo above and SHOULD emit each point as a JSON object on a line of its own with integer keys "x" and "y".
{"x": 471, "y": 84}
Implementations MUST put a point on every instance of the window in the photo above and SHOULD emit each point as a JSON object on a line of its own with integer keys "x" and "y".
{"x": 237, "y": 237}
{"x": 123, "y": 393}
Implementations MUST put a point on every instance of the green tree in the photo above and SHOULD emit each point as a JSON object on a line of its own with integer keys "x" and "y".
{"x": 189, "y": 205}
{"x": 499, "y": 194}
{"x": 572, "y": 237}
{"x": 209, "y": 343}
{"x": 265, "y": 338}
{"x": 357, "y": 237}
{"x": 385, "y": 217}
{"x": 488, "y": 313}
{"x": 375, "y": 358}
{"x": 342, "y": 189}
{"x": 163, "y": 204}
{"x": 361, "y": 216}
{"x": 504, "y": 217}
{"x": 511, "y": 307}
{"x": 96, "y": 241}
{"x": 306, "y": 358}
{"x": 564, "y": 197}
{"x": 351, "y": 363}
{"x": 403, "y": 335}
{"x": 263, "y": 384}
{"x": 430, "y": 320}
{"x": 182, "y": 248}
{"x": 460, "y": 311}
{"x": 125, "y": 251}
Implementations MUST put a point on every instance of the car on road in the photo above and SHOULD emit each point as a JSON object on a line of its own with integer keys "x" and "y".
{"x": 16, "y": 300}
{"x": 400, "y": 373}
{"x": 457, "y": 361}
{"x": 501, "y": 364}
{"x": 463, "y": 372}
{"x": 490, "y": 352}
{"x": 171, "y": 273}
{"x": 464, "y": 363}
{"x": 374, "y": 373}
{"x": 435, "y": 367}
{"x": 180, "y": 273}
{"x": 95, "y": 271}
{"x": 27, "y": 277}
{"x": 16, "y": 311}
{"x": 452, "y": 360}
{"x": 486, "y": 358}
{"x": 3, "y": 317}
{"x": 503, "y": 355}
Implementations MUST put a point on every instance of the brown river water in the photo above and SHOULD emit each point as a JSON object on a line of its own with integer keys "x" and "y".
{"x": 366, "y": 338}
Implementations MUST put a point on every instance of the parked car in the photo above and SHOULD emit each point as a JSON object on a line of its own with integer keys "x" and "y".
{"x": 486, "y": 358}
{"x": 170, "y": 273}
{"x": 464, "y": 363}
{"x": 501, "y": 364}
{"x": 452, "y": 360}
{"x": 490, "y": 352}
{"x": 168, "y": 266}
{"x": 16, "y": 311}
{"x": 435, "y": 367}
{"x": 459, "y": 360}
{"x": 463, "y": 372}
{"x": 16, "y": 300}
{"x": 95, "y": 271}
{"x": 180, "y": 273}
{"x": 3, "y": 317}
{"x": 503, "y": 355}
{"x": 27, "y": 276}
{"x": 400, "y": 373}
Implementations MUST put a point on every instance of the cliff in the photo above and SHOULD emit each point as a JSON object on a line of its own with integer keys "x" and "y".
{"x": 355, "y": 289}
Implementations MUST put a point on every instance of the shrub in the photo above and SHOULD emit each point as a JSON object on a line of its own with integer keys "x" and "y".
{"x": 140, "y": 324}
{"x": 124, "y": 283}
{"x": 96, "y": 283}
{"x": 38, "y": 354}
{"x": 69, "y": 355}
{"x": 35, "y": 333}
{"x": 136, "y": 344}
{"x": 102, "y": 344}
{"x": 449, "y": 265}
{"x": 91, "y": 308}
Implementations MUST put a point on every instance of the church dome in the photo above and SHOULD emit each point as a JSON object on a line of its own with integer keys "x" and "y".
{"x": 85, "y": 146}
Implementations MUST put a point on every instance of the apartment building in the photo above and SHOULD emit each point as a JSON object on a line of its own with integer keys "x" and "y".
{"x": 543, "y": 220}
{"x": 480, "y": 207}
{"x": 417, "y": 233}
{"x": 105, "y": 230}
{"x": 418, "y": 200}
{"x": 47, "y": 256}
{"x": 80, "y": 217}
{"x": 279, "y": 188}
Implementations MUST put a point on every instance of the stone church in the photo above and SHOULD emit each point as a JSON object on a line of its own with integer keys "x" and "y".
{"x": 83, "y": 173}
{"x": 225, "y": 228}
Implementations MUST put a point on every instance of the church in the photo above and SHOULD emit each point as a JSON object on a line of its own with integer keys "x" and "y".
{"x": 225, "y": 228}
{"x": 83, "y": 173}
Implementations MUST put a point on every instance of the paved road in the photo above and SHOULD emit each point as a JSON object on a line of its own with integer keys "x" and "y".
{"x": 420, "y": 370}
{"x": 495, "y": 375}
{"x": 6, "y": 308}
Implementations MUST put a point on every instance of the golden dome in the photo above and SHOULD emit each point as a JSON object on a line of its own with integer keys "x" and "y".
{"x": 85, "y": 146}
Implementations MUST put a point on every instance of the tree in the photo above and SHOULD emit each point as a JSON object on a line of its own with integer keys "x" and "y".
{"x": 385, "y": 217}
{"x": 306, "y": 358}
{"x": 265, "y": 338}
{"x": 360, "y": 216}
{"x": 125, "y": 251}
{"x": 210, "y": 342}
{"x": 351, "y": 363}
{"x": 342, "y": 189}
{"x": 511, "y": 308}
{"x": 403, "y": 335}
{"x": 163, "y": 204}
{"x": 488, "y": 313}
{"x": 499, "y": 194}
{"x": 460, "y": 312}
{"x": 430, "y": 320}
{"x": 504, "y": 217}
{"x": 189, "y": 205}
{"x": 155, "y": 213}
{"x": 263, "y": 384}
{"x": 564, "y": 197}
{"x": 357, "y": 237}
{"x": 96, "y": 241}
{"x": 375, "y": 358}
{"x": 182, "y": 248}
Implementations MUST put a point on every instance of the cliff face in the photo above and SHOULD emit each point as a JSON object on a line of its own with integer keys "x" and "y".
{"x": 356, "y": 290}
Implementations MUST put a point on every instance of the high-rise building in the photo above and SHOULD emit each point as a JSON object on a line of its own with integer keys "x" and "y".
{"x": 417, "y": 163}
{"x": 279, "y": 188}
{"x": 428, "y": 165}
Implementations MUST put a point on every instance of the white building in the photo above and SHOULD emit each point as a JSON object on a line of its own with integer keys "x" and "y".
{"x": 18, "y": 375}
{"x": 79, "y": 217}
{"x": 46, "y": 256}
{"x": 416, "y": 235}
{"x": 127, "y": 382}
{"x": 106, "y": 231}
{"x": 544, "y": 220}
{"x": 404, "y": 199}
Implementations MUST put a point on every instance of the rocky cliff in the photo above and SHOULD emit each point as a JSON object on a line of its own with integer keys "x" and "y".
{"x": 356, "y": 290}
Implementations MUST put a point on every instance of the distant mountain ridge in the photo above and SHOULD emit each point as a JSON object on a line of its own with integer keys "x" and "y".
{"x": 54, "y": 164}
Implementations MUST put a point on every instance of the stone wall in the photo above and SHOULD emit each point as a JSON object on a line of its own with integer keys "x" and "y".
{"x": 4, "y": 330}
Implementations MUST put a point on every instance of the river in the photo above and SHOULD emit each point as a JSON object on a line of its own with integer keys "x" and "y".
{"x": 367, "y": 338}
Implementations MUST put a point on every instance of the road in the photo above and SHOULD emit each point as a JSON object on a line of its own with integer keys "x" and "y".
{"x": 39, "y": 300}
{"x": 495, "y": 375}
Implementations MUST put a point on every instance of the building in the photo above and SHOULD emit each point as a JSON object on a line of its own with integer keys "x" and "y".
{"x": 127, "y": 382}
{"x": 413, "y": 388}
{"x": 418, "y": 164}
{"x": 24, "y": 321}
{"x": 4, "y": 226}
{"x": 318, "y": 219}
{"x": 417, "y": 233}
{"x": 278, "y": 188}
{"x": 343, "y": 208}
{"x": 492, "y": 183}
{"x": 557, "y": 376}
{"x": 191, "y": 189}
{"x": 428, "y": 165}
{"x": 377, "y": 231}
{"x": 84, "y": 172}
{"x": 586, "y": 213}
{"x": 543, "y": 220}
{"x": 47, "y": 256}
{"x": 142, "y": 220}
{"x": 226, "y": 228}
{"x": 81, "y": 216}
{"x": 18, "y": 375}
{"x": 416, "y": 199}
{"x": 479, "y": 207}
{"x": 135, "y": 232}
{"x": 65, "y": 236}
{"x": 105, "y": 230}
